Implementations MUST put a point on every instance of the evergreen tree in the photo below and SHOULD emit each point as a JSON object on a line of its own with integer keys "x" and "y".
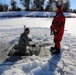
{"x": 1, "y": 7}
{"x": 66, "y": 7}
{"x": 74, "y": 11}
{"x": 39, "y": 5}
{"x": 36, "y": 5}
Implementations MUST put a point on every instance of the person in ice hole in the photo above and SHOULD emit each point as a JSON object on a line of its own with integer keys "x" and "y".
{"x": 23, "y": 42}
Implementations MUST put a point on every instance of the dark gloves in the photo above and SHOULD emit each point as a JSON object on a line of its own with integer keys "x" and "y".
{"x": 51, "y": 32}
{"x": 30, "y": 39}
{"x": 33, "y": 45}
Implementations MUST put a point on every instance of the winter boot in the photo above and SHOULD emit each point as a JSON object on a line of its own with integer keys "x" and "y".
{"x": 56, "y": 52}
{"x": 53, "y": 48}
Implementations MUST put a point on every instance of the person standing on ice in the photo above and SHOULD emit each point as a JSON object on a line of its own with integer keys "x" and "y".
{"x": 23, "y": 42}
{"x": 57, "y": 28}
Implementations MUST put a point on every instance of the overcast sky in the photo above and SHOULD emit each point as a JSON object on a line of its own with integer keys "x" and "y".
{"x": 72, "y": 2}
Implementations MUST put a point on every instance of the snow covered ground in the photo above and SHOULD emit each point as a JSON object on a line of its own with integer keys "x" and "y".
{"x": 44, "y": 64}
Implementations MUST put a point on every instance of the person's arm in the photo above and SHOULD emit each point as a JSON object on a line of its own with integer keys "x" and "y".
{"x": 27, "y": 42}
{"x": 51, "y": 32}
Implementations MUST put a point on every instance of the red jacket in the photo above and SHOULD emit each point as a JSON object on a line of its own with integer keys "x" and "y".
{"x": 58, "y": 25}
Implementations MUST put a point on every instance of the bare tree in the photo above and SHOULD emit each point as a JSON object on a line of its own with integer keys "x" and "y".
{"x": 26, "y": 4}
{"x": 5, "y": 7}
{"x": 49, "y": 6}
{"x": 13, "y": 4}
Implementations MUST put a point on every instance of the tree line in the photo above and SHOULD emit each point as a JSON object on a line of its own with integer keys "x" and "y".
{"x": 34, "y": 5}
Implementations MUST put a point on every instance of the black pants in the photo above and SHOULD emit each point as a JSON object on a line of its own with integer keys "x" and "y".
{"x": 18, "y": 53}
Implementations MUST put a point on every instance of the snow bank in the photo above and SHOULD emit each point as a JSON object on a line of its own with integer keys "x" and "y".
{"x": 33, "y": 14}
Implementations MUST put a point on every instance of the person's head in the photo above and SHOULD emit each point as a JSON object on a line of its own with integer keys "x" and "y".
{"x": 27, "y": 30}
{"x": 60, "y": 9}
{"x": 57, "y": 7}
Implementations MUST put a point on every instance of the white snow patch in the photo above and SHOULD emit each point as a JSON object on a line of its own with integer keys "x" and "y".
{"x": 10, "y": 30}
